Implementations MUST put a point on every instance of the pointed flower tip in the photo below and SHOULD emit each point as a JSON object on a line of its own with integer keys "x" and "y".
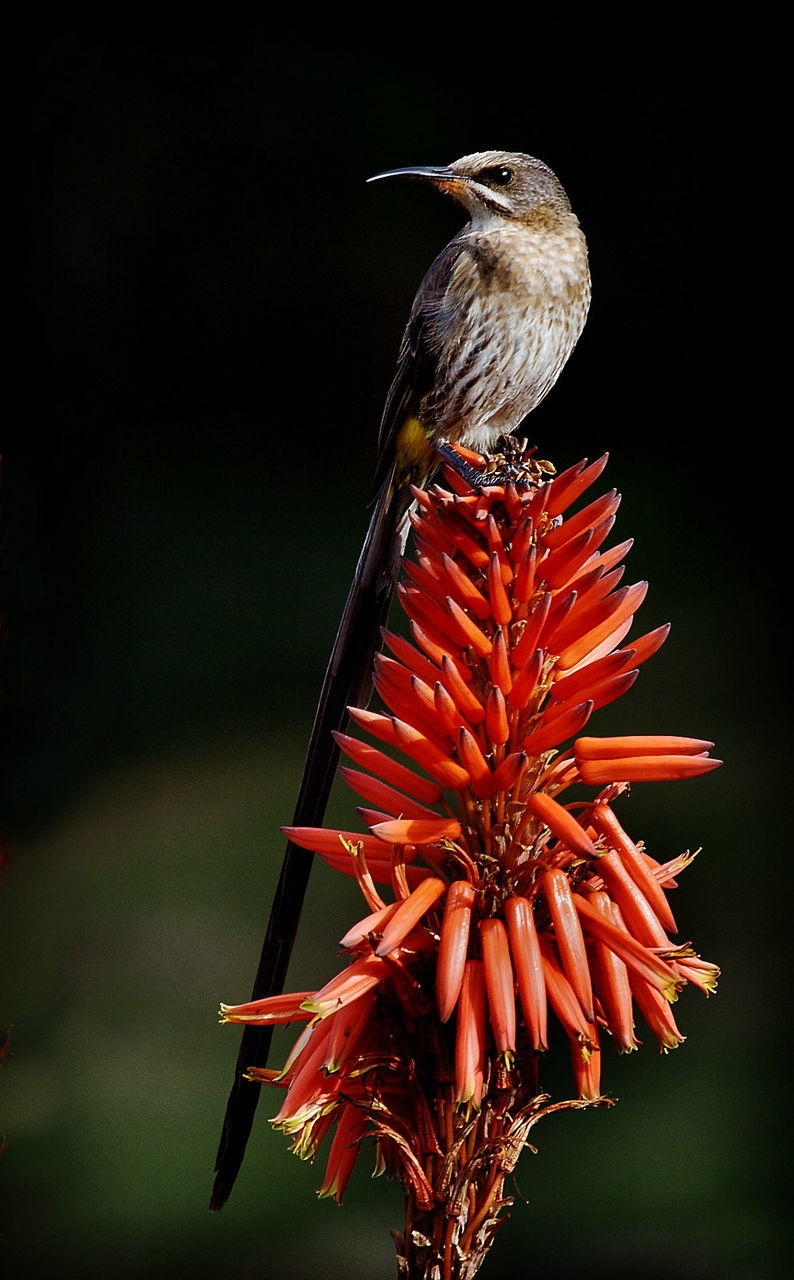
{"x": 639, "y": 745}
{"x": 561, "y": 823}
{"x": 642, "y": 758}
{"x": 664, "y": 768}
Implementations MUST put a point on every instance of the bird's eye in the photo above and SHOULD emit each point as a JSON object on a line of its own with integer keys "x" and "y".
{"x": 497, "y": 176}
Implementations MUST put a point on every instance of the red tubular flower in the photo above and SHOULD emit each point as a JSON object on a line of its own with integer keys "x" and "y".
{"x": 499, "y": 985}
{"x": 570, "y": 939}
{"x": 516, "y": 896}
{"x": 408, "y": 914}
{"x": 610, "y": 974}
{"x": 453, "y": 946}
{"x": 470, "y": 1040}
{"x": 528, "y": 965}
{"x": 351, "y": 1126}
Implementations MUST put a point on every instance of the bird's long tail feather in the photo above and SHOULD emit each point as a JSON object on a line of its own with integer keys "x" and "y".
{"x": 348, "y": 681}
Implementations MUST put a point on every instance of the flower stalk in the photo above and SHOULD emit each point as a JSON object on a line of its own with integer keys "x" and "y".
{"x": 507, "y": 908}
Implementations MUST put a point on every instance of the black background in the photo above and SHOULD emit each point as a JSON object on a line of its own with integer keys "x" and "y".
{"x": 209, "y": 304}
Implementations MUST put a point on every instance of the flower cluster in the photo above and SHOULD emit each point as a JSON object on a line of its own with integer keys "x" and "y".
{"x": 517, "y": 900}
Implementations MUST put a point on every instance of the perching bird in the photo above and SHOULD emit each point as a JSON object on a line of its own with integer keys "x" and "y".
{"x": 494, "y": 321}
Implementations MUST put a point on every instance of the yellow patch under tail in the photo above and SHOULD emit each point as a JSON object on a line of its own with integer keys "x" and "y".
{"x": 414, "y": 450}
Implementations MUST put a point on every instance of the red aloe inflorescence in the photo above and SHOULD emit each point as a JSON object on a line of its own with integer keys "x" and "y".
{"x": 513, "y": 900}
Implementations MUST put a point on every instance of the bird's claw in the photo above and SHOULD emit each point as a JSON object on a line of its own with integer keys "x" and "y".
{"x": 512, "y": 462}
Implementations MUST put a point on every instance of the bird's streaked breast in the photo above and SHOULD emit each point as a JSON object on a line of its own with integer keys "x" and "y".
{"x": 513, "y": 309}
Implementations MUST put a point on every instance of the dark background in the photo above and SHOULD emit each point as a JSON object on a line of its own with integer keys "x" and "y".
{"x": 208, "y": 308}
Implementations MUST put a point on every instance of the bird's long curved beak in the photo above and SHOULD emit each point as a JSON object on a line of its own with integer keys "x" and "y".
{"x": 436, "y": 173}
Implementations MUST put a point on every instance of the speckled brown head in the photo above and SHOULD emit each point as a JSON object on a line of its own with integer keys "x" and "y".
{"x": 505, "y": 184}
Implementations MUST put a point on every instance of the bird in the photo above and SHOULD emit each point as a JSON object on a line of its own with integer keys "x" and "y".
{"x": 492, "y": 325}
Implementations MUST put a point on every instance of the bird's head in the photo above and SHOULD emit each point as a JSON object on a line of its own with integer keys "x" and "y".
{"x": 505, "y": 184}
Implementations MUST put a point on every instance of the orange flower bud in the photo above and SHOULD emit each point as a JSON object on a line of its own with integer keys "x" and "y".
{"x": 663, "y": 768}
{"x": 374, "y": 923}
{"x": 417, "y": 830}
{"x": 597, "y": 922}
{"x": 525, "y": 682}
{"x": 467, "y": 703}
{"x": 605, "y": 821}
{"x": 635, "y": 907}
{"x": 561, "y": 823}
{"x": 555, "y": 728}
{"x": 562, "y": 997}
{"x": 475, "y": 764}
{"x": 464, "y": 590}
{"x": 499, "y": 664}
{"x": 607, "y": 618}
{"x": 470, "y": 1036}
{"x": 391, "y": 771}
{"x": 498, "y": 973}
{"x": 528, "y": 968}
{"x": 611, "y": 979}
{"x": 571, "y": 484}
{"x": 639, "y": 745}
{"x": 496, "y": 723}
{"x": 384, "y": 796}
{"x": 453, "y": 946}
{"x": 507, "y": 774}
{"x": 409, "y": 913}
{"x": 501, "y": 609}
{"x": 570, "y": 940}
{"x": 470, "y": 633}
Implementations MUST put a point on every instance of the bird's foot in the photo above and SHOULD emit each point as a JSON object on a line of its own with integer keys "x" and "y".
{"x": 512, "y": 462}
